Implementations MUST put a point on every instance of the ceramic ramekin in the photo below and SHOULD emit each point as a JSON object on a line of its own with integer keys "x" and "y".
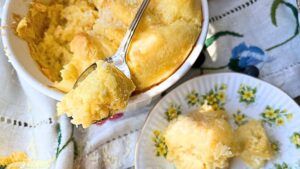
{"x": 19, "y": 55}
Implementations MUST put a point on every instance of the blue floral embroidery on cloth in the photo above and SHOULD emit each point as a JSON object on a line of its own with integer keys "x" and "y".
{"x": 243, "y": 56}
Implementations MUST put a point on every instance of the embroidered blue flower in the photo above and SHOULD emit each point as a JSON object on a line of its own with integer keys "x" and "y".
{"x": 243, "y": 56}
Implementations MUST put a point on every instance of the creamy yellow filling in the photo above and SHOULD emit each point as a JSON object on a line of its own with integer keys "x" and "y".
{"x": 201, "y": 140}
{"x": 257, "y": 149}
{"x": 66, "y": 36}
{"x": 205, "y": 140}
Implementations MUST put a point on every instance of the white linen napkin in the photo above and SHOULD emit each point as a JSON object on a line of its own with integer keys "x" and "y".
{"x": 262, "y": 33}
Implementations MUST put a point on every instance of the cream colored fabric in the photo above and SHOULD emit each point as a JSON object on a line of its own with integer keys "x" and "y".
{"x": 284, "y": 72}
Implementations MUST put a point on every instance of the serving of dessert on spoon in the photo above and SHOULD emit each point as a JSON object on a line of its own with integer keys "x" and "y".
{"x": 119, "y": 58}
{"x": 104, "y": 88}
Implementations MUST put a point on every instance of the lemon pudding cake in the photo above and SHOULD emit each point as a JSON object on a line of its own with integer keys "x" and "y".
{"x": 204, "y": 139}
{"x": 104, "y": 92}
{"x": 201, "y": 140}
{"x": 66, "y": 36}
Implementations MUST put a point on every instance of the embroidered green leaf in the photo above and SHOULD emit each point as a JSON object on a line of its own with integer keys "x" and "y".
{"x": 59, "y": 136}
{"x": 295, "y": 13}
{"x": 3, "y": 166}
{"x": 216, "y": 36}
{"x": 274, "y": 8}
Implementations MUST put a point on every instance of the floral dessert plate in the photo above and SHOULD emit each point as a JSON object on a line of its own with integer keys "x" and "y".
{"x": 243, "y": 98}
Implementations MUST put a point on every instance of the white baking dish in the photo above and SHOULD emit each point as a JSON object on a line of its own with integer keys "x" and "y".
{"x": 19, "y": 55}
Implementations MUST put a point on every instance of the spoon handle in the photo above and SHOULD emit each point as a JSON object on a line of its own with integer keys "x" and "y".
{"x": 129, "y": 34}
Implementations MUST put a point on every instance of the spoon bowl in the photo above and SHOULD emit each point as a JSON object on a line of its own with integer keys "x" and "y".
{"x": 119, "y": 58}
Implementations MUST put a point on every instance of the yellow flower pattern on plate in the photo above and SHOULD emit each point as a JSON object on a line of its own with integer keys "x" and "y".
{"x": 239, "y": 118}
{"x": 173, "y": 111}
{"x": 160, "y": 144}
{"x": 193, "y": 98}
{"x": 276, "y": 117}
{"x": 275, "y": 146}
{"x": 295, "y": 139}
{"x": 247, "y": 94}
{"x": 216, "y": 97}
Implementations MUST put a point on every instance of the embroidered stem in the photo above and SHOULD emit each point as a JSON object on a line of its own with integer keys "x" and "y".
{"x": 280, "y": 44}
{"x": 214, "y": 68}
{"x": 2, "y": 167}
{"x": 64, "y": 146}
{"x": 273, "y": 15}
{"x": 216, "y": 36}
{"x": 58, "y": 151}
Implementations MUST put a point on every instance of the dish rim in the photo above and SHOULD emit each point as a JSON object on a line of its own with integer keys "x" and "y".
{"x": 141, "y": 97}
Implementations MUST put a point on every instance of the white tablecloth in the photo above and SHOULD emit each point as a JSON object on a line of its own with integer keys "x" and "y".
{"x": 240, "y": 31}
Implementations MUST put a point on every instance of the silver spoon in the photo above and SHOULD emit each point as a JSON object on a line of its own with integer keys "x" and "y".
{"x": 119, "y": 58}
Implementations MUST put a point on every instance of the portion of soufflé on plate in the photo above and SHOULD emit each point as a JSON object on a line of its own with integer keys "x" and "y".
{"x": 204, "y": 139}
{"x": 66, "y": 36}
